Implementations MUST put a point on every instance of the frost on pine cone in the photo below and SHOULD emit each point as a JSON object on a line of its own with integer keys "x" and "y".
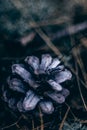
{"x": 36, "y": 83}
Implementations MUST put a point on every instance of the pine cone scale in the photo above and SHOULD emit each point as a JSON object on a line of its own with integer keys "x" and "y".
{"x": 46, "y": 72}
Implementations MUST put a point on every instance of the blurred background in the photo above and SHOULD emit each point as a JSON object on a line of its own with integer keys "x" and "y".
{"x": 34, "y": 27}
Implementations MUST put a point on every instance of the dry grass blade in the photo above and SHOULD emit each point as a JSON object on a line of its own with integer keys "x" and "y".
{"x": 84, "y": 42}
{"x": 74, "y": 72}
{"x": 17, "y": 4}
{"x": 82, "y": 66}
{"x": 76, "y": 54}
{"x": 45, "y": 125}
{"x": 83, "y": 121}
{"x": 55, "y": 50}
{"x": 71, "y": 30}
{"x": 27, "y": 39}
{"x": 75, "y": 118}
{"x": 85, "y": 106}
{"x": 62, "y": 123}
{"x": 33, "y": 125}
{"x": 41, "y": 119}
{"x": 78, "y": 60}
{"x": 48, "y": 41}
{"x": 58, "y": 21}
{"x": 14, "y": 124}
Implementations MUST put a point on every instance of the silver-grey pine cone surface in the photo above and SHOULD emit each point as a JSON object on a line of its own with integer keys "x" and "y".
{"x": 36, "y": 82}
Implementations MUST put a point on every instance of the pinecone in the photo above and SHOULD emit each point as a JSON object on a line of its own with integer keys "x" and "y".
{"x": 33, "y": 83}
